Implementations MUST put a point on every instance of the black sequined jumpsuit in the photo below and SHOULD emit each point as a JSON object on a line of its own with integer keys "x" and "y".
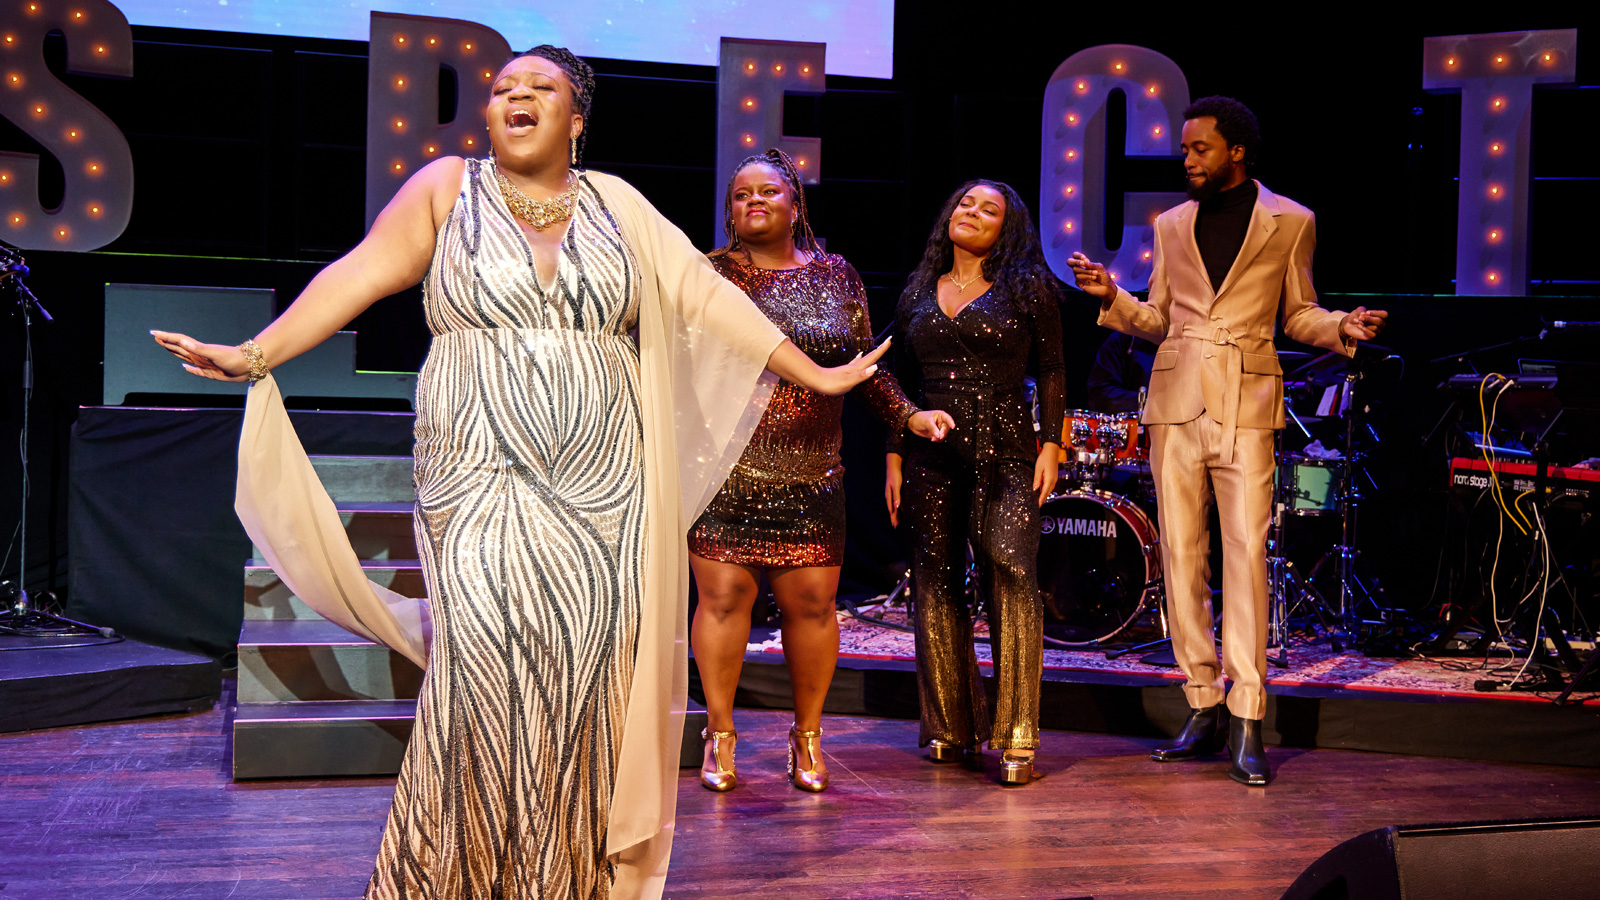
{"x": 977, "y": 486}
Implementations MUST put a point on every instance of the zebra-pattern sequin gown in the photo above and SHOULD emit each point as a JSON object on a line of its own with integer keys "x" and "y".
{"x": 529, "y": 518}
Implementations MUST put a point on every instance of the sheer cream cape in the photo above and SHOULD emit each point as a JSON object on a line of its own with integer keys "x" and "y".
{"x": 703, "y": 349}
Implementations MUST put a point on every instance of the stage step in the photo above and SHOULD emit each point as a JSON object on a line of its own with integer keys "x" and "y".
{"x": 288, "y": 660}
{"x": 377, "y": 529}
{"x": 314, "y": 700}
{"x": 347, "y": 738}
{"x": 265, "y": 597}
{"x": 350, "y": 479}
{"x": 330, "y": 739}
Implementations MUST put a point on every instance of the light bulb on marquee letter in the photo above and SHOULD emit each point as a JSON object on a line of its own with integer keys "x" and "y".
{"x": 1495, "y": 74}
{"x": 752, "y": 79}
{"x": 1072, "y": 171}
{"x": 94, "y": 156}
{"x": 403, "y": 131}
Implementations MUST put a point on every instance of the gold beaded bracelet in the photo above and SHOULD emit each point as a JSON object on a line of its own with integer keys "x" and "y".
{"x": 256, "y": 359}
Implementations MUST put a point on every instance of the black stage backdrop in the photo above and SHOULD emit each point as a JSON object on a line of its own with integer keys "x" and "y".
{"x": 157, "y": 552}
{"x": 249, "y": 167}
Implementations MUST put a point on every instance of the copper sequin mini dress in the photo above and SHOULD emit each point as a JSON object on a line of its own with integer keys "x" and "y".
{"x": 783, "y": 504}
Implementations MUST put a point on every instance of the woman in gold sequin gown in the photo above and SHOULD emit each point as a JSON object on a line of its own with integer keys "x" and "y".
{"x": 553, "y": 472}
{"x": 978, "y": 309}
{"x": 782, "y": 508}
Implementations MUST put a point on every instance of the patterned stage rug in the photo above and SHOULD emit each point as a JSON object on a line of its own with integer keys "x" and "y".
{"x": 1313, "y": 664}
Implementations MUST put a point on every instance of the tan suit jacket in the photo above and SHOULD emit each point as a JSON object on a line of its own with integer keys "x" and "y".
{"x": 1216, "y": 353}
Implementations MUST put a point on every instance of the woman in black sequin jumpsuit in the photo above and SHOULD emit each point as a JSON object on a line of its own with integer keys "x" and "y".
{"x": 980, "y": 307}
{"x": 782, "y": 508}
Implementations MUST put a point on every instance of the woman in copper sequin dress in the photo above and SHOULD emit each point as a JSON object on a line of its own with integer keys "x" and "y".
{"x": 782, "y": 508}
{"x": 979, "y": 307}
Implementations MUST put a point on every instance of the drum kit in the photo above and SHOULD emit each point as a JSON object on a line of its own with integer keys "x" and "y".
{"x": 1099, "y": 556}
{"x": 1099, "y": 551}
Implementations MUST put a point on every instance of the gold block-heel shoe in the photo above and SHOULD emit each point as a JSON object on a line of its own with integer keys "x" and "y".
{"x": 815, "y": 777}
{"x": 714, "y": 776}
{"x": 1016, "y": 767}
{"x": 942, "y": 752}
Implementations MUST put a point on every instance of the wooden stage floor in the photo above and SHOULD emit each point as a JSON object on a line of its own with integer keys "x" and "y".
{"x": 145, "y": 809}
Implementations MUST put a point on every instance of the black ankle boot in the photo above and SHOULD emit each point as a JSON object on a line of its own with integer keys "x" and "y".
{"x": 1249, "y": 758}
{"x": 1201, "y": 736}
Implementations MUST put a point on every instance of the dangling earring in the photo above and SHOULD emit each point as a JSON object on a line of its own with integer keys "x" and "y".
{"x": 574, "y": 151}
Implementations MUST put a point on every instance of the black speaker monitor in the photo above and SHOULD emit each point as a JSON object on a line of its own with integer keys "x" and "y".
{"x": 1547, "y": 859}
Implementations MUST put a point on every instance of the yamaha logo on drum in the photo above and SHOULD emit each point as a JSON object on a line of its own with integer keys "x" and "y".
{"x": 1090, "y": 527}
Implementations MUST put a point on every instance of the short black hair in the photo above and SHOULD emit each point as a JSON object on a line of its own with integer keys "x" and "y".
{"x": 1235, "y": 122}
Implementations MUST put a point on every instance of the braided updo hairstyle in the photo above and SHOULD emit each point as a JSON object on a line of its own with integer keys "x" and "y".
{"x": 579, "y": 74}
{"x": 804, "y": 238}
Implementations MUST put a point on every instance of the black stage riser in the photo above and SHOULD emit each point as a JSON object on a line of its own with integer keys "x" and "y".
{"x": 1507, "y": 731}
{"x": 47, "y": 688}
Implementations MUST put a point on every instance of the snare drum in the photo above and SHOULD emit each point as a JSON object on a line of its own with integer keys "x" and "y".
{"x": 1099, "y": 561}
{"x": 1308, "y": 486}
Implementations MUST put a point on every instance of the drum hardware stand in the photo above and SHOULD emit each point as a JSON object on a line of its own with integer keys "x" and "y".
{"x": 1348, "y": 555}
{"x": 1285, "y": 584}
{"x": 970, "y": 586}
{"x": 1163, "y": 657}
{"x": 20, "y": 615}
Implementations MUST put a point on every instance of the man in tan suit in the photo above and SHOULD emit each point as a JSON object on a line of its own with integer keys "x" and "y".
{"x": 1230, "y": 263}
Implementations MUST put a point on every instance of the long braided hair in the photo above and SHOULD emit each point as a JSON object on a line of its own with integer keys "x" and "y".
{"x": 579, "y": 74}
{"x": 804, "y": 238}
{"x": 1015, "y": 263}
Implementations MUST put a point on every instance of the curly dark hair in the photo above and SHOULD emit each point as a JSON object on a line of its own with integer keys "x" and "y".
{"x": 801, "y": 231}
{"x": 579, "y": 74}
{"x": 1015, "y": 263}
{"x": 1235, "y": 122}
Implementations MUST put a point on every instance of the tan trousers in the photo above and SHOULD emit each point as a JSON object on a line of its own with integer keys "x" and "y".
{"x": 1184, "y": 460}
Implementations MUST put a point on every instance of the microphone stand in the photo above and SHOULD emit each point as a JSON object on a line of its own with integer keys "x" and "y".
{"x": 21, "y": 616}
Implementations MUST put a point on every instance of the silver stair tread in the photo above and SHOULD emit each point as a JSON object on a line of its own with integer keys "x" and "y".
{"x": 365, "y": 564}
{"x": 369, "y": 507}
{"x": 362, "y": 479}
{"x": 296, "y": 633}
{"x": 311, "y": 712}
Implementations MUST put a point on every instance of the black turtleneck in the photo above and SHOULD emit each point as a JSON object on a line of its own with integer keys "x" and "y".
{"x": 1220, "y": 227}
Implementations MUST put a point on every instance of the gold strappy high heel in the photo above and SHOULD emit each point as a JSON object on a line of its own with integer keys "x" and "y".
{"x": 815, "y": 777}
{"x": 713, "y": 776}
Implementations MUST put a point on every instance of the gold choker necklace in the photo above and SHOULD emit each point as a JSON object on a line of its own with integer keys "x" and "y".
{"x": 540, "y": 214}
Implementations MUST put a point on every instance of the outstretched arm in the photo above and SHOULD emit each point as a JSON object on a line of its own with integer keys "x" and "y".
{"x": 792, "y": 364}
{"x": 392, "y": 257}
{"x": 1307, "y": 322}
{"x": 1118, "y": 308}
